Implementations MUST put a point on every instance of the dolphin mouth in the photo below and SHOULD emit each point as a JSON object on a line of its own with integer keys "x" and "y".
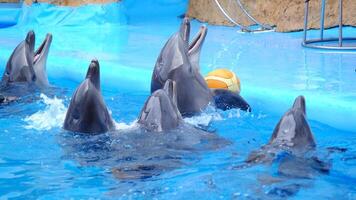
{"x": 43, "y": 48}
{"x": 198, "y": 40}
{"x": 185, "y": 29}
{"x": 30, "y": 40}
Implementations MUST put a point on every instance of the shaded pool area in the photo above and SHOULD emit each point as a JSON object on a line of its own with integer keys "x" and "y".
{"x": 127, "y": 38}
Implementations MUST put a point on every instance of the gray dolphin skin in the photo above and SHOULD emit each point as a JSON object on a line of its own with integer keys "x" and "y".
{"x": 40, "y": 62}
{"x": 293, "y": 129}
{"x": 87, "y": 112}
{"x": 179, "y": 62}
{"x": 160, "y": 112}
{"x": 19, "y": 67}
{"x": 195, "y": 46}
{"x": 291, "y": 149}
{"x": 291, "y": 134}
{"x": 292, "y": 144}
{"x": 26, "y": 65}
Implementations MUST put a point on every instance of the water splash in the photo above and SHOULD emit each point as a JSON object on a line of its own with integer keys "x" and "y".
{"x": 124, "y": 126}
{"x": 51, "y": 117}
{"x": 204, "y": 119}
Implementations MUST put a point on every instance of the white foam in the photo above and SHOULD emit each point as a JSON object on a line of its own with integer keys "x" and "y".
{"x": 203, "y": 119}
{"x": 51, "y": 117}
{"x": 54, "y": 114}
{"x": 124, "y": 126}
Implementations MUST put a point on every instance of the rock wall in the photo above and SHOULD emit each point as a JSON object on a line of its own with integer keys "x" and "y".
{"x": 9, "y": 1}
{"x": 286, "y": 15}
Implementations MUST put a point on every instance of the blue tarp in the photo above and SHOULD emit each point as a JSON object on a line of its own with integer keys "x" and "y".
{"x": 131, "y": 11}
{"x": 9, "y": 14}
{"x": 51, "y": 15}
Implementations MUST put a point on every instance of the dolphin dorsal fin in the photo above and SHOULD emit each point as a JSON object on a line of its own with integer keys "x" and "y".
{"x": 170, "y": 89}
{"x": 299, "y": 104}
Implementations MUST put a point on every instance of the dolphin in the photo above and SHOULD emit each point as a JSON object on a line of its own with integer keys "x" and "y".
{"x": 291, "y": 151}
{"x": 292, "y": 144}
{"x": 291, "y": 134}
{"x": 26, "y": 65}
{"x": 135, "y": 153}
{"x": 293, "y": 130}
{"x": 160, "y": 112}
{"x": 87, "y": 112}
{"x": 179, "y": 61}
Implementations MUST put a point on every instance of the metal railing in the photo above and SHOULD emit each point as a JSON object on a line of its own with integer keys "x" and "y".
{"x": 326, "y": 43}
{"x": 243, "y": 28}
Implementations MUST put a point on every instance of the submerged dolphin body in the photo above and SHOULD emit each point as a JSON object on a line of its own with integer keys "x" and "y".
{"x": 87, "y": 112}
{"x": 158, "y": 144}
{"x": 226, "y": 99}
{"x": 160, "y": 112}
{"x": 27, "y": 66}
{"x": 291, "y": 149}
{"x": 179, "y": 62}
{"x": 292, "y": 143}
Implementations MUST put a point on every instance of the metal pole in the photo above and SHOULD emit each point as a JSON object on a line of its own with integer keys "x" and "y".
{"x": 244, "y": 28}
{"x": 263, "y": 26}
{"x": 340, "y": 23}
{"x": 306, "y": 19}
{"x": 322, "y": 18}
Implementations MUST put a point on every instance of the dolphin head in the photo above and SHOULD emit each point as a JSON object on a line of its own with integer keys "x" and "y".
{"x": 172, "y": 56}
{"x": 30, "y": 40}
{"x": 176, "y": 52}
{"x": 93, "y": 74}
{"x": 19, "y": 67}
{"x": 40, "y": 60}
{"x": 185, "y": 29}
{"x": 160, "y": 112}
{"x": 176, "y": 63}
{"x": 87, "y": 111}
{"x": 293, "y": 129}
{"x": 195, "y": 46}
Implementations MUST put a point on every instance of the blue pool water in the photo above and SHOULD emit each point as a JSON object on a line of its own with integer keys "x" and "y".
{"x": 39, "y": 160}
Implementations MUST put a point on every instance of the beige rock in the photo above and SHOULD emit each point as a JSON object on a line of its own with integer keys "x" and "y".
{"x": 9, "y": 1}
{"x": 286, "y": 15}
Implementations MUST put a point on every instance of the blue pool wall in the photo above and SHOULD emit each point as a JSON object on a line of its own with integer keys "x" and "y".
{"x": 91, "y": 23}
{"x": 10, "y": 13}
{"x": 128, "y": 11}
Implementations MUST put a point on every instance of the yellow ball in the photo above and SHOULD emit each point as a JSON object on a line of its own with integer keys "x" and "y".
{"x": 223, "y": 79}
